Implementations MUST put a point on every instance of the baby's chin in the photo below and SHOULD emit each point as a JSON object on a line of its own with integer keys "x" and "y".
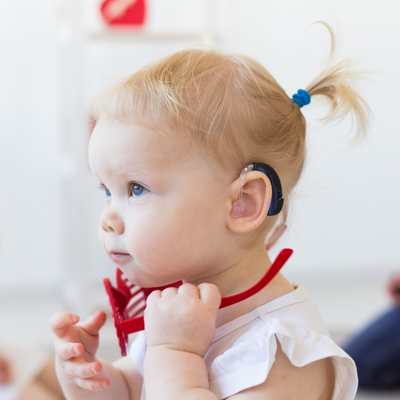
{"x": 142, "y": 279}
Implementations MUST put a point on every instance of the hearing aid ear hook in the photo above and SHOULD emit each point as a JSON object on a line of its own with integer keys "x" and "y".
{"x": 277, "y": 197}
{"x": 243, "y": 173}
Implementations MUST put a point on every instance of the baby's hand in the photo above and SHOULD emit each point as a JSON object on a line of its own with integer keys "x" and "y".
{"x": 182, "y": 318}
{"x": 75, "y": 349}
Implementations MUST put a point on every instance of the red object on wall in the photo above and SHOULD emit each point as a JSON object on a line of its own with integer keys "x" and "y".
{"x": 124, "y": 12}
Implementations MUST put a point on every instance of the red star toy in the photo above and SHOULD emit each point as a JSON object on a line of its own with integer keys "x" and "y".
{"x": 124, "y": 12}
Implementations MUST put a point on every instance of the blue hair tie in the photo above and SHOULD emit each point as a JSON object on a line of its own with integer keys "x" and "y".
{"x": 301, "y": 98}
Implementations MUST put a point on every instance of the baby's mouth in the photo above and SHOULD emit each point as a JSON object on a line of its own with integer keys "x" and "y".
{"x": 119, "y": 257}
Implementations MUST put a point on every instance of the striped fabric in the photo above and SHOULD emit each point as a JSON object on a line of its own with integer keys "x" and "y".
{"x": 137, "y": 303}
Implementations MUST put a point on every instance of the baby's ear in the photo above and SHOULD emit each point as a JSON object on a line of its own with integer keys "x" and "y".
{"x": 249, "y": 202}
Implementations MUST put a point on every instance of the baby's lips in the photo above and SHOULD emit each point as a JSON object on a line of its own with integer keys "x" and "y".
{"x": 120, "y": 258}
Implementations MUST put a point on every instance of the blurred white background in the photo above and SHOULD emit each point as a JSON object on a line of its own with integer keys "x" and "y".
{"x": 344, "y": 221}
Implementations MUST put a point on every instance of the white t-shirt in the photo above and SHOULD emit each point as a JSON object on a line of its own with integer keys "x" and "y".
{"x": 243, "y": 350}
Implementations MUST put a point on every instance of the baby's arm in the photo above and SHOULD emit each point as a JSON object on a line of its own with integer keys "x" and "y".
{"x": 180, "y": 325}
{"x": 80, "y": 374}
{"x": 179, "y": 375}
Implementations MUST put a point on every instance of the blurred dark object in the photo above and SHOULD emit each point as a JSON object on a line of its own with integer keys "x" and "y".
{"x": 376, "y": 348}
{"x": 394, "y": 288}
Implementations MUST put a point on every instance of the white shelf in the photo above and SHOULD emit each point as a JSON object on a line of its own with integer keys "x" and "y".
{"x": 129, "y": 35}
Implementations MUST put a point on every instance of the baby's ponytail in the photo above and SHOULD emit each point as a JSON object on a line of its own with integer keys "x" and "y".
{"x": 335, "y": 84}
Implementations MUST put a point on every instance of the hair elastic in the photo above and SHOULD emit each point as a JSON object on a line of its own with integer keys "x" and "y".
{"x": 301, "y": 98}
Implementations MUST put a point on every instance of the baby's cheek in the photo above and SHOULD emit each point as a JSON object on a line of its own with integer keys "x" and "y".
{"x": 163, "y": 253}
{"x": 174, "y": 244}
{"x": 151, "y": 246}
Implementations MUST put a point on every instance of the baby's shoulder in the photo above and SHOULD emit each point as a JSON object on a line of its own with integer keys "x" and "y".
{"x": 286, "y": 381}
{"x": 312, "y": 381}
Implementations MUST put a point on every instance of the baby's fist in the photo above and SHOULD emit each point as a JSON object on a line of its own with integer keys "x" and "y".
{"x": 182, "y": 318}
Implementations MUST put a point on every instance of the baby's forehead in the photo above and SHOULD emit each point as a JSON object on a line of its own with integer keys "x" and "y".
{"x": 119, "y": 147}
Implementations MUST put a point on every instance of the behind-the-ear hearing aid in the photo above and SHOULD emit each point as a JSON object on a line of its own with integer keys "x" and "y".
{"x": 277, "y": 197}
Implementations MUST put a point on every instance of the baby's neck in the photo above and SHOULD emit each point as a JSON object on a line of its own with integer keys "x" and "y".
{"x": 241, "y": 276}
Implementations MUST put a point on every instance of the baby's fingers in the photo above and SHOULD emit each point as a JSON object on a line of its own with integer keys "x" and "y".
{"x": 94, "y": 323}
{"x": 82, "y": 370}
{"x": 66, "y": 350}
{"x": 94, "y": 385}
{"x": 61, "y": 322}
{"x": 210, "y": 294}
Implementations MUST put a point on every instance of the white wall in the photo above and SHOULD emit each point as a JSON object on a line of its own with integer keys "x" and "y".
{"x": 345, "y": 213}
{"x": 29, "y": 202}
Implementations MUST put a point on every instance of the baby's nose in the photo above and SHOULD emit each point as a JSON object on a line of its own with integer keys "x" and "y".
{"x": 112, "y": 223}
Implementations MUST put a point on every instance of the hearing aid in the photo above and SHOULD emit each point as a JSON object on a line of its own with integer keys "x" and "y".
{"x": 277, "y": 200}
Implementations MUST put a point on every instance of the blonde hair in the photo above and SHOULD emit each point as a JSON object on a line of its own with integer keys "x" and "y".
{"x": 232, "y": 106}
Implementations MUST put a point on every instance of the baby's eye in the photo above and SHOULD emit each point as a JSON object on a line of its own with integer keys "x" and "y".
{"x": 104, "y": 188}
{"x": 136, "y": 189}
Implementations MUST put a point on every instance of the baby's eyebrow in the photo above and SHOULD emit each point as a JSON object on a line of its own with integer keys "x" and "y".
{"x": 141, "y": 176}
{"x": 125, "y": 171}
{"x": 134, "y": 171}
{"x": 131, "y": 175}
